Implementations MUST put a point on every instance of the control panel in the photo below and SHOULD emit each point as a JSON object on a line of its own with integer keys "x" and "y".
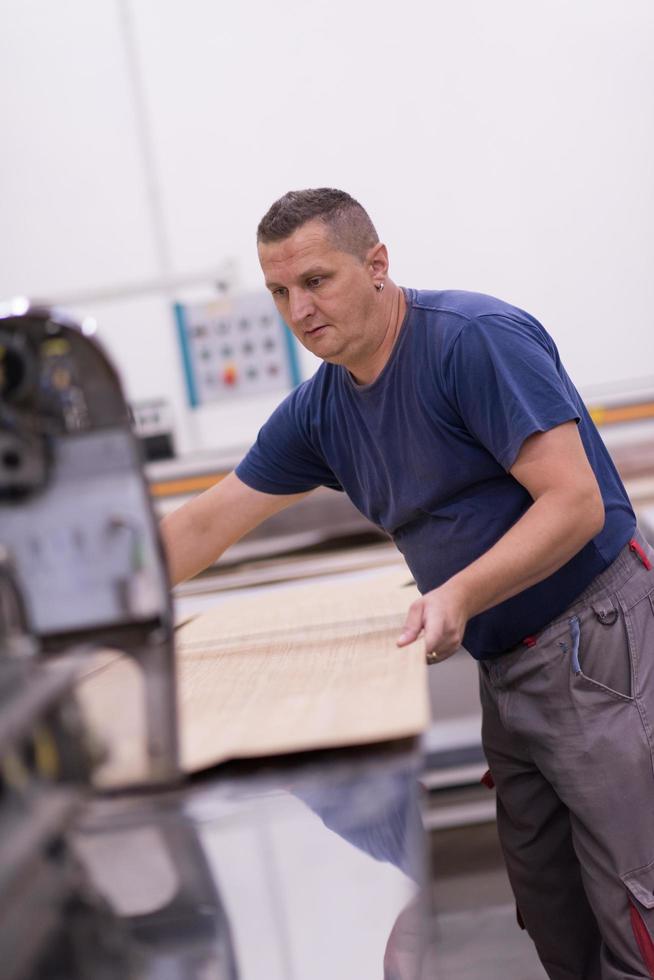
{"x": 235, "y": 346}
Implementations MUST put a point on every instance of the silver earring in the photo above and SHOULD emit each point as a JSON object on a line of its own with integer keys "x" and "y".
{"x": 379, "y": 286}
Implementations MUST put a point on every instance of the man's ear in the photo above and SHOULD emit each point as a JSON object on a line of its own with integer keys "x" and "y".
{"x": 376, "y": 261}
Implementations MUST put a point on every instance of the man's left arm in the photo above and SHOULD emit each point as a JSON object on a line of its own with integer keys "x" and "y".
{"x": 566, "y": 513}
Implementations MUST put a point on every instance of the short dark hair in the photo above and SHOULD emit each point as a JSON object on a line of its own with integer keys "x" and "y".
{"x": 349, "y": 225}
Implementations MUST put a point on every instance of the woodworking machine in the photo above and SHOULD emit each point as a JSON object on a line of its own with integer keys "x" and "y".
{"x": 75, "y": 513}
{"x": 81, "y": 570}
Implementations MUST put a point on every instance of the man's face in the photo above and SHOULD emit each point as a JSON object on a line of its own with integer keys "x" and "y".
{"x": 325, "y": 295}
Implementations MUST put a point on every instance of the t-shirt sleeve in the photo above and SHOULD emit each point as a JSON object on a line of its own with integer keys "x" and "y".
{"x": 505, "y": 378}
{"x": 283, "y": 458}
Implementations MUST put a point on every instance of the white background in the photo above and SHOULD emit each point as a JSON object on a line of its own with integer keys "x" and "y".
{"x": 503, "y": 146}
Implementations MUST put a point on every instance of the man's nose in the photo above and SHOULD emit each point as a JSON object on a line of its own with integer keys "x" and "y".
{"x": 300, "y": 305}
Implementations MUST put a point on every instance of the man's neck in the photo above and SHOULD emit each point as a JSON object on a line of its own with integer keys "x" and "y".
{"x": 391, "y": 318}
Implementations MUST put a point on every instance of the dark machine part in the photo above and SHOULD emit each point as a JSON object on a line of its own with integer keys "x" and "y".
{"x": 152, "y": 420}
{"x": 53, "y": 382}
{"x": 15, "y": 637}
{"x": 23, "y": 455}
{"x": 45, "y": 773}
{"x": 76, "y": 517}
{"x": 176, "y": 922}
{"x": 46, "y": 760}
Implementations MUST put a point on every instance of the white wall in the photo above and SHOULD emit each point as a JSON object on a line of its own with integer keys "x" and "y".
{"x": 503, "y": 146}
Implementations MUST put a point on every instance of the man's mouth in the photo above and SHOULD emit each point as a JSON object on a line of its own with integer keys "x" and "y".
{"x": 314, "y": 331}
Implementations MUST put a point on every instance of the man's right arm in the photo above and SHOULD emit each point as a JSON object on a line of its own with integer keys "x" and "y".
{"x": 197, "y": 533}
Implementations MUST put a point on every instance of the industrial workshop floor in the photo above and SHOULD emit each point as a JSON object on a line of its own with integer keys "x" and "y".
{"x": 475, "y": 933}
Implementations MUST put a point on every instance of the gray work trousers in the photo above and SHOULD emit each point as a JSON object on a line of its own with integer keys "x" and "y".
{"x": 568, "y": 731}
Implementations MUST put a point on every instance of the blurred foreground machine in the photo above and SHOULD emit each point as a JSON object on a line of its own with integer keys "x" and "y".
{"x": 76, "y": 517}
{"x": 80, "y": 570}
{"x": 46, "y": 760}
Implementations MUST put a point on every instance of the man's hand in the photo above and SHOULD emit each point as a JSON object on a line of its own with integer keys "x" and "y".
{"x": 442, "y": 617}
{"x": 567, "y": 511}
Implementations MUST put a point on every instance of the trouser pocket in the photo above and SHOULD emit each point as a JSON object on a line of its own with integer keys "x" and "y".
{"x": 600, "y": 650}
{"x": 640, "y": 888}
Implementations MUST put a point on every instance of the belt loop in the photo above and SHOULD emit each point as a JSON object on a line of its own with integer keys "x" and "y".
{"x": 605, "y": 612}
{"x": 638, "y": 551}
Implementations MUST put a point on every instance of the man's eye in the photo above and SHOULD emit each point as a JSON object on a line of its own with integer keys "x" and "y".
{"x": 314, "y": 282}
{"x": 279, "y": 292}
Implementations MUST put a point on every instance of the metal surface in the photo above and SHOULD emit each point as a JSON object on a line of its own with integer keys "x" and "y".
{"x": 312, "y": 866}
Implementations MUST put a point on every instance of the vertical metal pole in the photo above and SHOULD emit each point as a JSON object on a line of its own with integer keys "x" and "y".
{"x": 144, "y": 136}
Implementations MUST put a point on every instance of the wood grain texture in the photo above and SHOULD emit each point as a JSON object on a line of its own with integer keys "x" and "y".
{"x": 302, "y": 667}
{"x": 318, "y": 611}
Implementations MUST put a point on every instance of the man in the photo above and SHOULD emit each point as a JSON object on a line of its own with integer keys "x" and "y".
{"x": 449, "y": 420}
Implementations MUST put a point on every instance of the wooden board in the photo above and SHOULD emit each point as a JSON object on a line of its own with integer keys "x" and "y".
{"x": 304, "y": 667}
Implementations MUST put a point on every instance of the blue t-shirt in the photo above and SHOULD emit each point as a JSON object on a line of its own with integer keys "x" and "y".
{"x": 424, "y": 451}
